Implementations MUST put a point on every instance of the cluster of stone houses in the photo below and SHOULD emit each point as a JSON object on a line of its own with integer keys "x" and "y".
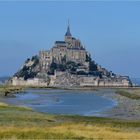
{"x": 65, "y": 79}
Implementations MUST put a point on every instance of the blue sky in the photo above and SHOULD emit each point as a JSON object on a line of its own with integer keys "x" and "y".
{"x": 109, "y": 30}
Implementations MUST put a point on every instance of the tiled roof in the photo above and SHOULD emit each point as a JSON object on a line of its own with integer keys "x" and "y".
{"x": 60, "y": 42}
{"x": 76, "y": 48}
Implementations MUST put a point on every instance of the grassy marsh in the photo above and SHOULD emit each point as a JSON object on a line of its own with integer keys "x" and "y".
{"x": 132, "y": 94}
{"x": 9, "y": 90}
{"x": 23, "y": 123}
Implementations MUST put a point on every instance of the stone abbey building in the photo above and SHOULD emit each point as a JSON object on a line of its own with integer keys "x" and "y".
{"x": 71, "y": 49}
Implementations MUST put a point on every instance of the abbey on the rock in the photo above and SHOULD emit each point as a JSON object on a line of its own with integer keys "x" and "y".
{"x": 67, "y": 63}
{"x": 69, "y": 50}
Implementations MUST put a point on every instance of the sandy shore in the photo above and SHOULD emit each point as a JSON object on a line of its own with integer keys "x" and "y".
{"x": 126, "y": 108}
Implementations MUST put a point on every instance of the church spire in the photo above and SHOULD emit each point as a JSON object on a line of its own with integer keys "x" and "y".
{"x": 68, "y": 30}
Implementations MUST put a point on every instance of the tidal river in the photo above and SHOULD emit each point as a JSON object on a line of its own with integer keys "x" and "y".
{"x": 69, "y": 102}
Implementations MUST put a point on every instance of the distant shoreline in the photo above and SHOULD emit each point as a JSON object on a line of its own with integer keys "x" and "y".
{"x": 80, "y": 88}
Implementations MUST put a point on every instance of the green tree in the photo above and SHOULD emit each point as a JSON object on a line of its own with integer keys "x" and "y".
{"x": 62, "y": 67}
{"x": 53, "y": 67}
{"x": 92, "y": 66}
{"x": 88, "y": 58}
{"x": 71, "y": 66}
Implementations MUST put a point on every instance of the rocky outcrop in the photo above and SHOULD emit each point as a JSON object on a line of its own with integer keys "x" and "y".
{"x": 30, "y": 69}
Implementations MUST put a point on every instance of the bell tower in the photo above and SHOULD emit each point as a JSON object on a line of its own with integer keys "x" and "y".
{"x": 68, "y": 36}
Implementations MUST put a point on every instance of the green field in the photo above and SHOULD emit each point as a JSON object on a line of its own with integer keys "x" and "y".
{"x": 132, "y": 94}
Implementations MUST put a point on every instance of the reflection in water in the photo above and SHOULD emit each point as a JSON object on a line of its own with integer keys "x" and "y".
{"x": 63, "y": 101}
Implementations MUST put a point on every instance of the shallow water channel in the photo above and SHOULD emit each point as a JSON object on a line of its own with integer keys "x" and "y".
{"x": 70, "y": 102}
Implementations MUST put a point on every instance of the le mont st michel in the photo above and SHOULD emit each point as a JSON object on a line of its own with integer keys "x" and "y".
{"x": 66, "y": 64}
